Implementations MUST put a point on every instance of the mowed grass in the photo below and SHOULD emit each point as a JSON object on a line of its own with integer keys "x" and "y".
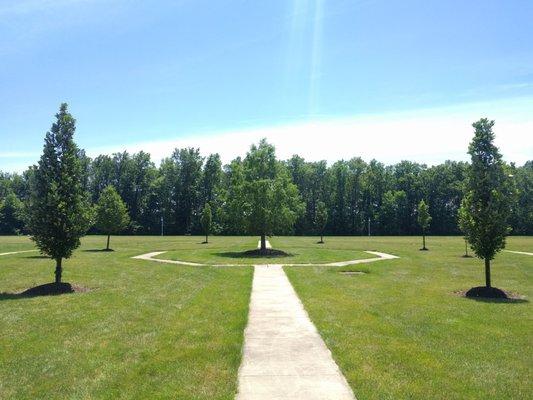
{"x": 144, "y": 331}
{"x": 400, "y": 332}
{"x": 161, "y": 331}
{"x": 229, "y": 250}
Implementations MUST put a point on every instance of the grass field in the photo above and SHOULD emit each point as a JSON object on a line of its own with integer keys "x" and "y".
{"x": 144, "y": 331}
{"x": 399, "y": 331}
{"x": 151, "y": 330}
{"x": 229, "y": 250}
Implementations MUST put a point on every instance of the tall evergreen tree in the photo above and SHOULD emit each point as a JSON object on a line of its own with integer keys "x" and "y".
{"x": 423, "y": 220}
{"x": 111, "y": 213}
{"x": 487, "y": 201}
{"x": 58, "y": 213}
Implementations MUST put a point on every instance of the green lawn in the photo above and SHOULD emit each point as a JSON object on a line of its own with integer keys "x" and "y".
{"x": 145, "y": 330}
{"x": 399, "y": 331}
{"x": 152, "y": 330}
{"x": 228, "y": 250}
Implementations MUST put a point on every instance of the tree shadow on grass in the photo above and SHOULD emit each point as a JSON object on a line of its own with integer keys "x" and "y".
{"x": 498, "y": 301}
{"x": 270, "y": 253}
{"x": 98, "y": 250}
{"x": 48, "y": 289}
{"x": 39, "y": 257}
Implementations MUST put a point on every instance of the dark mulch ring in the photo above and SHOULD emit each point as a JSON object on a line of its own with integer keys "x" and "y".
{"x": 51, "y": 289}
{"x": 265, "y": 253}
{"x": 490, "y": 293}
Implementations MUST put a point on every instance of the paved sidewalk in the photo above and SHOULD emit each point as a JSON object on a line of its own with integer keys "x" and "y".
{"x": 267, "y": 244}
{"x": 284, "y": 356}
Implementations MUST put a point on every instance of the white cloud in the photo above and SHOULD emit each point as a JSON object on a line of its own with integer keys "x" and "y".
{"x": 430, "y": 136}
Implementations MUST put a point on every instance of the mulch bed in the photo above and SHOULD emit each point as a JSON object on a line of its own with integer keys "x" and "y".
{"x": 52, "y": 289}
{"x": 492, "y": 293}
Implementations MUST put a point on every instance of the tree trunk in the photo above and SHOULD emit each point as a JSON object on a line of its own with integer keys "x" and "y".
{"x": 107, "y": 248}
{"x": 263, "y": 243}
{"x": 59, "y": 270}
{"x": 487, "y": 272}
{"x": 424, "y": 241}
{"x": 321, "y": 238}
{"x": 466, "y": 248}
{"x": 206, "y": 239}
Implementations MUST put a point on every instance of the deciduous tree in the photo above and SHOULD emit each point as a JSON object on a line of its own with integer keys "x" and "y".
{"x": 206, "y": 220}
{"x": 424, "y": 218}
{"x": 321, "y": 219}
{"x": 111, "y": 213}
{"x": 487, "y": 200}
{"x": 58, "y": 212}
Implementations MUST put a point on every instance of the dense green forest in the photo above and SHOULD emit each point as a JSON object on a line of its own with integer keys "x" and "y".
{"x": 359, "y": 196}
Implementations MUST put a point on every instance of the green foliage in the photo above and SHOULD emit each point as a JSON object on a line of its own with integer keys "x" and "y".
{"x": 488, "y": 197}
{"x": 321, "y": 217}
{"x": 271, "y": 201}
{"x": 58, "y": 212}
{"x": 11, "y": 215}
{"x": 206, "y": 220}
{"x": 424, "y": 218}
{"x": 111, "y": 212}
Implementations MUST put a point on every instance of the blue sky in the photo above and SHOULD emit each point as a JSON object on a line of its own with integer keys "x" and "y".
{"x": 153, "y": 75}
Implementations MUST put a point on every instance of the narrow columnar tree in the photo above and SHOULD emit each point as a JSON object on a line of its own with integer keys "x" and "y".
{"x": 58, "y": 213}
{"x": 487, "y": 201}
{"x": 111, "y": 213}
{"x": 423, "y": 220}
{"x": 206, "y": 220}
{"x": 321, "y": 219}
{"x": 464, "y": 222}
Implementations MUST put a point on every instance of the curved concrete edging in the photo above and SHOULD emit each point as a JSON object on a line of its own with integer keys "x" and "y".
{"x": 16, "y": 252}
{"x": 519, "y": 252}
{"x": 380, "y": 256}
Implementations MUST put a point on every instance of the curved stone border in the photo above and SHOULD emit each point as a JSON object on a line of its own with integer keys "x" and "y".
{"x": 16, "y": 252}
{"x": 519, "y": 252}
{"x": 380, "y": 256}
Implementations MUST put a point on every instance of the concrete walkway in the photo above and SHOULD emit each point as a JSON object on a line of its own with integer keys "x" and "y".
{"x": 267, "y": 244}
{"x": 519, "y": 252}
{"x": 284, "y": 356}
{"x": 150, "y": 257}
{"x": 16, "y": 252}
{"x": 380, "y": 256}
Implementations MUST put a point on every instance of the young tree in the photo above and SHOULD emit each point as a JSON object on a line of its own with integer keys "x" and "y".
{"x": 423, "y": 220}
{"x": 58, "y": 213}
{"x": 206, "y": 220}
{"x": 111, "y": 213}
{"x": 487, "y": 201}
{"x": 321, "y": 219}
{"x": 272, "y": 202}
{"x": 11, "y": 215}
{"x": 464, "y": 223}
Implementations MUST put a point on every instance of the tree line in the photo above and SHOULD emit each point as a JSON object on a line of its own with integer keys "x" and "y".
{"x": 358, "y": 197}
